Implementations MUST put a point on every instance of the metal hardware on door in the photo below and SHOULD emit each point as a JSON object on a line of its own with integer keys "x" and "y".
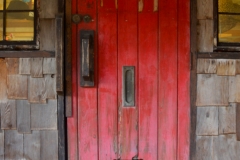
{"x": 87, "y": 58}
{"x": 77, "y": 18}
{"x": 128, "y": 94}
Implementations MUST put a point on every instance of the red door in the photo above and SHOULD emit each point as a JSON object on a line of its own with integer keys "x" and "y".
{"x": 138, "y": 106}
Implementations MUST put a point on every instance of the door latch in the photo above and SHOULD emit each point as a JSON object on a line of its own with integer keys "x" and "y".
{"x": 86, "y": 58}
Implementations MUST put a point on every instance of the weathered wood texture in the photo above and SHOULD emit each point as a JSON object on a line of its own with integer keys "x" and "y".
{"x": 23, "y": 116}
{"x": 212, "y": 90}
{"x": 205, "y": 35}
{"x": 48, "y": 9}
{"x": 17, "y": 86}
{"x": 36, "y": 67}
{"x": 32, "y": 145}
{"x": 13, "y": 145}
{"x": 49, "y": 145}
{"x": 227, "y": 119}
{"x": 207, "y": 121}
{"x": 12, "y": 65}
{"x": 2, "y": 145}
{"x": 47, "y": 38}
{"x": 50, "y": 81}
{"x": 59, "y": 49}
{"x": 238, "y": 121}
{"x": 206, "y": 66}
{"x": 225, "y": 147}
{"x": 49, "y": 66}
{"x": 204, "y": 146}
{"x": 226, "y": 67}
{"x": 24, "y": 66}
{"x": 234, "y": 88}
{"x": 205, "y": 9}
{"x": 44, "y": 116}
{"x": 3, "y": 81}
{"x": 37, "y": 90}
{"x": 8, "y": 115}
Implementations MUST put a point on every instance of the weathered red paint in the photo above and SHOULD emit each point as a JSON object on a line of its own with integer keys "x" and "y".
{"x": 157, "y": 44}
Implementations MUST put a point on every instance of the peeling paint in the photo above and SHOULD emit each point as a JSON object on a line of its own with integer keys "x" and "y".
{"x": 155, "y": 5}
{"x": 140, "y": 5}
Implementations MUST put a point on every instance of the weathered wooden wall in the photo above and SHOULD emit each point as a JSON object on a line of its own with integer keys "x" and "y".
{"x": 217, "y": 95}
{"x": 28, "y": 98}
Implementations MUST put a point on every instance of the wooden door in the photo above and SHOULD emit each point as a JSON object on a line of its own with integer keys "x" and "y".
{"x": 152, "y": 37}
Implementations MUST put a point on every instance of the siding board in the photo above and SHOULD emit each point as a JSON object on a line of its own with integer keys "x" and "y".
{"x": 206, "y": 66}
{"x": 24, "y": 66}
{"x": 204, "y": 147}
{"x": 32, "y": 145}
{"x": 227, "y": 119}
{"x": 2, "y": 145}
{"x": 13, "y": 145}
{"x": 8, "y": 115}
{"x": 23, "y": 116}
{"x": 47, "y": 37}
{"x": 234, "y": 88}
{"x": 37, "y": 90}
{"x": 49, "y": 145}
{"x": 17, "y": 86}
{"x": 205, "y": 35}
{"x": 3, "y": 81}
{"x": 207, "y": 121}
{"x": 36, "y": 67}
{"x": 212, "y": 90}
{"x": 50, "y": 81}
{"x": 12, "y": 65}
{"x": 44, "y": 116}
{"x": 49, "y": 66}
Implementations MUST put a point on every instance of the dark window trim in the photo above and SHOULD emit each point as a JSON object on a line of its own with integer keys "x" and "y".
{"x": 24, "y": 45}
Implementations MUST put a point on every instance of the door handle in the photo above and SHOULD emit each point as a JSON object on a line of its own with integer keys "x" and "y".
{"x": 87, "y": 58}
{"x": 128, "y": 94}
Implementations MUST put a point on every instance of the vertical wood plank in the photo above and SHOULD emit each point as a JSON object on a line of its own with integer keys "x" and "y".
{"x": 148, "y": 65}
{"x": 50, "y": 82}
{"x": 44, "y": 116}
{"x": 49, "y": 66}
{"x": 87, "y": 97}
{"x": 205, "y": 9}
{"x": 49, "y": 145}
{"x": 47, "y": 33}
{"x": 13, "y": 145}
{"x": 23, "y": 116}
{"x": 107, "y": 88}
{"x": 227, "y": 119}
{"x": 167, "y": 89}
{"x": 127, "y": 56}
{"x": 31, "y": 145}
{"x": 3, "y": 81}
{"x": 24, "y": 66}
{"x": 2, "y": 145}
{"x": 12, "y": 65}
{"x": 37, "y": 67}
{"x": 59, "y": 52}
{"x": 48, "y": 9}
{"x": 183, "y": 80}
{"x": 17, "y": 86}
{"x": 8, "y": 115}
{"x": 72, "y": 120}
{"x": 205, "y": 36}
{"x": 37, "y": 90}
{"x": 238, "y": 121}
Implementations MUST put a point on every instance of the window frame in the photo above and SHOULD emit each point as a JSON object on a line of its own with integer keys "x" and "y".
{"x": 23, "y": 45}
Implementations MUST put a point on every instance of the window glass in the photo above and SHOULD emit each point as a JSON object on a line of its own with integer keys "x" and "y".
{"x": 17, "y": 20}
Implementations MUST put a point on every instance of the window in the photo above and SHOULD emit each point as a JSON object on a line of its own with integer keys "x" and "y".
{"x": 17, "y": 22}
{"x": 228, "y": 22}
